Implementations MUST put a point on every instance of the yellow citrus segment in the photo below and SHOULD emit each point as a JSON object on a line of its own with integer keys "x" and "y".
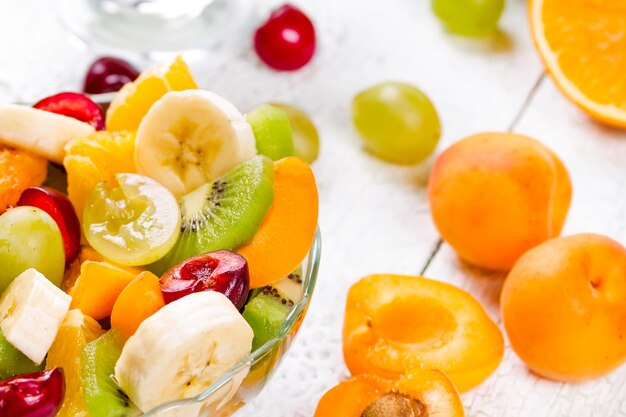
{"x": 135, "y": 99}
{"x": 96, "y": 158}
{"x": 583, "y": 46}
{"x": 75, "y": 332}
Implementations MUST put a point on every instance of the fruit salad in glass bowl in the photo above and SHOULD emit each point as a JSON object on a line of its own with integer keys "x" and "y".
{"x": 157, "y": 259}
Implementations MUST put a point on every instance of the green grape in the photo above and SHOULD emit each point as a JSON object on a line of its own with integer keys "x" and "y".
{"x": 30, "y": 238}
{"x": 134, "y": 224}
{"x": 272, "y": 131}
{"x": 469, "y": 17}
{"x": 397, "y": 122}
{"x": 305, "y": 138}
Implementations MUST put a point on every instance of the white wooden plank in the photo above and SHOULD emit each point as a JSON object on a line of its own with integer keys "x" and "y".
{"x": 595, "y": 158}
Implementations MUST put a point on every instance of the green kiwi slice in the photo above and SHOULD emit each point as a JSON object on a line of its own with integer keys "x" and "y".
{"x": 272, "y": 131}
{"x": 267, "y": 310}
{"x": 13, "y": 362}
{"x": 225, "y": 214}
{"x": 102, "y": 395}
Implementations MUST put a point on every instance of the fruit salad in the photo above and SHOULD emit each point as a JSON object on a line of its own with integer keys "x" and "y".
{"x": 146, "y": 251}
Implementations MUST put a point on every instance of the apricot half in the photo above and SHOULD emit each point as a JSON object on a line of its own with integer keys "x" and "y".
{"x": 286, "y": 234}
{"x": 564, "y": 307}
{"x": 493, "y": 196}
{"x": 396, "y": 323}
{"x": 419, "y": 393}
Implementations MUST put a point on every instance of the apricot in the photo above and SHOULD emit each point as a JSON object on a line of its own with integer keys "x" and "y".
{"x": 564, "y": 307}
{"x": 396, "y": 323}
{"x": 98, "y": 286}
{"x": 418, "y": 393}
{"x": 493, "y": 196}
{"x": 140, "y": 299}
{"x": 286, "y": 234}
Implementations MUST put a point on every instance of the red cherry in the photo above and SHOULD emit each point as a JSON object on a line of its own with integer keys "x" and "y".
{"x": 32, "y": 395}
{"x": 59, "y": 207}
{"x": 222, "y": 271}
{"x": 108, "y": 74}
{"x": 286, "y": 41}
{"x": 74, "y": 105}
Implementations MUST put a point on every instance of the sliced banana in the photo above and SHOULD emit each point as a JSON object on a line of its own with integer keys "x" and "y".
{"x": 31, "y": 312}
{"x": 40, "y": 132}
{"x": 182, "y": 349}
{"x": 189, "y": 138}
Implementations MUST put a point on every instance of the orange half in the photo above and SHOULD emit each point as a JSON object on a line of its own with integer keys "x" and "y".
{"x": 583, "y": 45}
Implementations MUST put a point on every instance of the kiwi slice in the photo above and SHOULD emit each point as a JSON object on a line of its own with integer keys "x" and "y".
{"x": 102, "y": 395}
{"x": 272, "y": 131}
{"x": 13, "y": 362}
{"x": 266, "y": 311}
{"x": 225, "y": 214}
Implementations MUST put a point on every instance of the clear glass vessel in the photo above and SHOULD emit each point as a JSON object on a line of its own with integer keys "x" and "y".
{"x": 224, "y": 397}
{"x": 153, "y": 30}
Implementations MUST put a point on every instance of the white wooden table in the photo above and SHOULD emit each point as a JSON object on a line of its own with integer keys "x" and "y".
{"x": 373, "y": 215}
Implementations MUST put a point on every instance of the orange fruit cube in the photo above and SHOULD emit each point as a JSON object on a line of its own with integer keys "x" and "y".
{"x": 138, "y": 300}
{"x": 20, "y": 170}
{"x": 98, "y": 286}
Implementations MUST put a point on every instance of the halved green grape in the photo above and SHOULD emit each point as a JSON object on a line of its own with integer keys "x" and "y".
{"x": 469, "y": 17}
{"x": 30, "y": 238}
{"x": 305, "y": 137}
{"x": 397, "y": 122}
{"x": 272, "y": 131}
{"x": 135, "y": 223}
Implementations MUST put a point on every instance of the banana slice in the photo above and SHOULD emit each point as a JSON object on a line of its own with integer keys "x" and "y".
{"x": 189, "y": 138}
{"x": 40, "y": 132}
{"x": 182, "y": 349}
{"x": 31, "y": 311}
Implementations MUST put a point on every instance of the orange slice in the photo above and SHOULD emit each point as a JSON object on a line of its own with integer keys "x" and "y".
{"x": 583, "y": 46}
{"x": 96, "y": 158}
{"x": 135, "y": 99}
{"x": 75, "y": 332}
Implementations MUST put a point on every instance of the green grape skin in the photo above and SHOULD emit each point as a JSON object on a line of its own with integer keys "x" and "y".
{"x": 469, "y": 17}
{"x": 305, "y": 137}
{"x": 272, "y": 131}
{"x": 30, "y": 238}
{"x": 133, "y": 224}
{"x": 397, "y": 122}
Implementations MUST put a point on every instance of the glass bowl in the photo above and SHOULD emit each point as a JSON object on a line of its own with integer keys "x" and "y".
{"x": 225, "y": 396}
